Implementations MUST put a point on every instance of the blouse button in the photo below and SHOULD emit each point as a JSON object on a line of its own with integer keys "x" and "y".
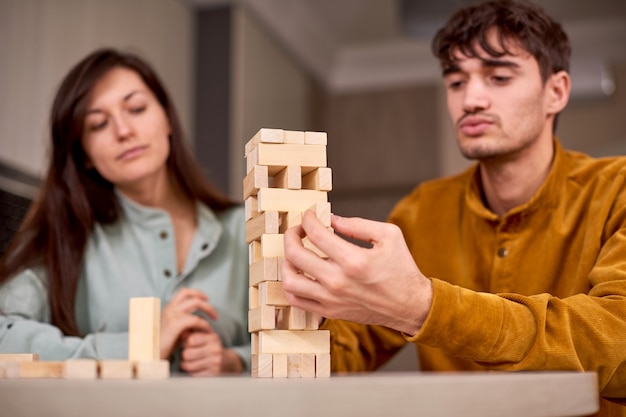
{"x": 163, "y": 235}
{"x": 502, "y": 252}
{"x": 167, "y": 273}
{"x": 205, "y": 246}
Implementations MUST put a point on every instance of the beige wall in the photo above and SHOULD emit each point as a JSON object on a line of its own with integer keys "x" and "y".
{"x": 41, "y": 39}
{"x": 269, "y": 90}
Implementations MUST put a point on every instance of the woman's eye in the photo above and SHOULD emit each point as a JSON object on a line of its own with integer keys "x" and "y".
{"x": 138, "y": 109}
{"x": 94, "y": 127}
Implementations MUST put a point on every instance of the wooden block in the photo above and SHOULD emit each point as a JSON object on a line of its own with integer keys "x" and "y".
{"x": 322, "y": 212}
{"x": 262, "y": 317}
{"x": 293, "y": 365}
{"x": 291, "y": 318}
{"x": 289, "y": 219}
{"x": 318, "y": 179}
{"x": 262, "y": 365}
{"x": 254, "y": 252}
{"x": 271, "y": 293}
{"x": 144, "y": 325}
{"x": 265, "y": 269}
{"x": 276, "y": 156}
{"x": 266, "y": 222}
{"x": 115, "y": 369}
{"x": 253, "y": 297}
{"x": 307, "y": 365}
{"x": 282, "y": 200}
{"x": 252, "y": 160}
{"x": 289, "y": 177}
{"x": 40, "y": 369}
{"x": 19, "y": 357}
{"x": 251, "y": 207}
{"x": 254, "y": 343}
{"x": 279, "y": 365}
{"x": 322, "y": 365}
{"x": 10, "y": 369}
{"x": 265, "y": 135}
{"x": 152, "y": 369}
{"x": 80, "y": 369}
{"x": 293, "y": 136}
{"x": 312, "y": 321}
{"x": 279, "y": 265}
{"x": 315, "y": 138}
{"x": 272, "y": 246}
{"x": 257, "y": 178}
{"x": 286, "y": 341}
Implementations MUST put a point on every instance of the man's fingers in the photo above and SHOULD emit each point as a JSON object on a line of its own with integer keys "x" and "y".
{"x": 357, "y": 228}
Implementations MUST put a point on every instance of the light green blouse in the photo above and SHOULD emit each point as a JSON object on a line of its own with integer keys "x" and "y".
{"x": 135, "y": 257}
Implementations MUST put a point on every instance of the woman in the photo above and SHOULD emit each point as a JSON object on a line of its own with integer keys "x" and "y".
{"x": 125, "y": 212}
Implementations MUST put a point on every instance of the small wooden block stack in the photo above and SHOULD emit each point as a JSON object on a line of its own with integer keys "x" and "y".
{"x": 286, "y": 175}
{"x": 143, "y": 350}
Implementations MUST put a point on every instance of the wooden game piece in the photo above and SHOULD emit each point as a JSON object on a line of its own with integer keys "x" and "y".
{"x": 315, "y": 138}
{"x": 251, "y": 207}
{"x": 291, "y": 318}
{"x": 322, "y": 365}
{"x": 307, "y": 365}
{"x": 289, "y": 219}
{"x": 115, "y": 369}
{"x": 265, "y": 135}
{"x": 282, "y": 200}
{"x": 318, "y": 179}
{"x": 254, "y": 252}
{"x": 262, "y": 317}
{"x": 271, "y": 293}
{"x": 293, "y": 365}
{"x": 253, "y": 297}
{"x": 265, "y": 269}
{"x": 152, "y": 369}
{"x": 254, "y": 343}
{"x": 262, "y": 365}
{"x": 279, "y": 265}
{"x": 293, "y": 136}
{"x": 40, "y": 369}
{"x": 10, "y": 369}
{"x": 266, "y": 222}
{"x": 312, "y": 321}
{"x": 80, "y": 369}
{"x": 289, "y": 177}
{"x": 279, "y": 365}
{"x": 19, "y": 357}
{"x": 322, "y": 212}
{"x": 252, "y": 160}
{"x": 277, "y": 156}
{"x": 257, "y": 178}
{"x": 144, "y": 321}
{"x": 272, "y": 245}
{"x": 286, "y": 341}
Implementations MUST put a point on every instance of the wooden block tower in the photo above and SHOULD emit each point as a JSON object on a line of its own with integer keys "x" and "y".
{"x": 286, "y": 175}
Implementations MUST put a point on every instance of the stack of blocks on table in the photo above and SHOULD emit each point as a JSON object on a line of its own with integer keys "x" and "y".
{"x": 286, "y": 176}
{"x": 143, "y": 353}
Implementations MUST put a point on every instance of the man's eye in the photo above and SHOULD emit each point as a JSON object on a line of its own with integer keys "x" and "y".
{"x": 500, "y": 79}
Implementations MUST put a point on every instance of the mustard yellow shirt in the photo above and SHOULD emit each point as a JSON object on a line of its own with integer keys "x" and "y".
{"x": 541, "y": 288}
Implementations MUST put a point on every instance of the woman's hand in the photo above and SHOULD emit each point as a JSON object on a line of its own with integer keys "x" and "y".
{"x": 178, "y": 318}
{"x": 204, "y": 355}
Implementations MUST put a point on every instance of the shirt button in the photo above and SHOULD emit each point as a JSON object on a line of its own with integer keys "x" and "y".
{"x": 163, "y": 235}
{"x": 167, "y": 273}
{"x": 502, "y": 252}
{"x": 205, "y": 246}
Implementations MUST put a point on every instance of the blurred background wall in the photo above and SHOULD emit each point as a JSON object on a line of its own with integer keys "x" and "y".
{"x": 360, "y": 70}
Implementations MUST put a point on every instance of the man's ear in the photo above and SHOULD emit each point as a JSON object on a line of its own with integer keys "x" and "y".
{"x": 558, "y": 88}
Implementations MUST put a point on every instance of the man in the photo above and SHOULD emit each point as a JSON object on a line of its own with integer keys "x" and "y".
{"x": 519, "y": 263}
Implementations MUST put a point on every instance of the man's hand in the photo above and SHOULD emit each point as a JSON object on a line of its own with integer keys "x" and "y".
{"x": 177, "y": 318}
{"x": 378, "y": 285}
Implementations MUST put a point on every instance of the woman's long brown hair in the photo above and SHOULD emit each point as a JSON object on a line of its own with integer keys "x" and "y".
{"x": 73, "y": 198}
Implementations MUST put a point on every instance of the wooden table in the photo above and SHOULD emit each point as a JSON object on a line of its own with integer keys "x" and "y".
{"x": 544, "y": 394}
